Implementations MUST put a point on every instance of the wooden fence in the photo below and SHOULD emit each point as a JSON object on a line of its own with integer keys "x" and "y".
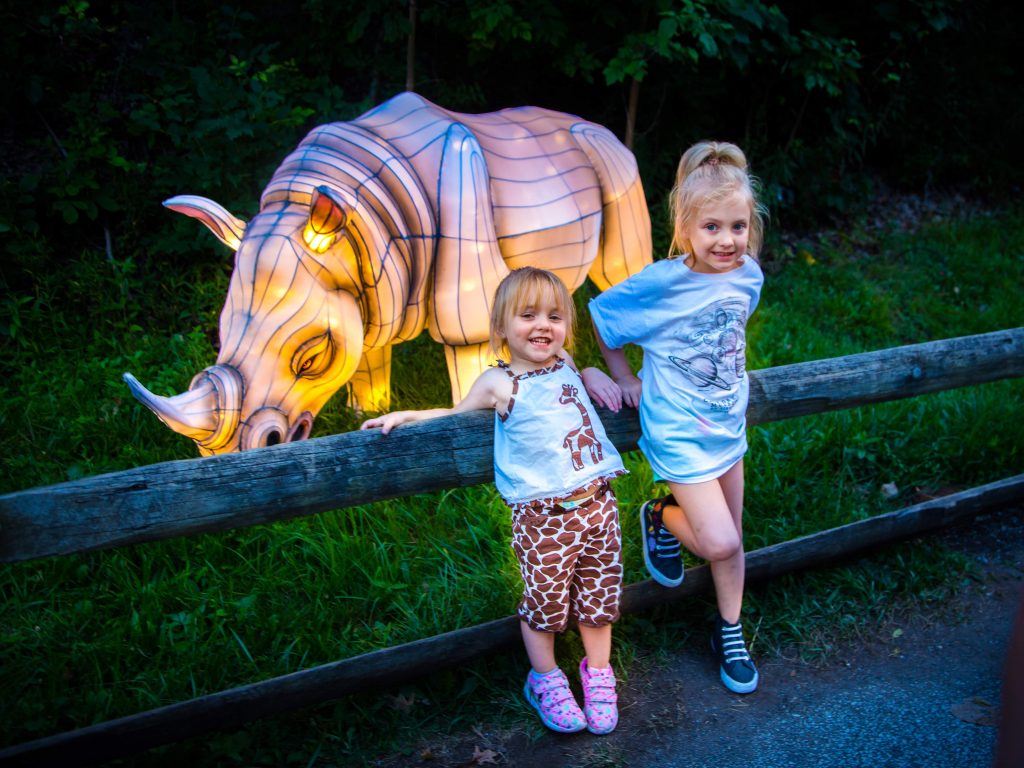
{"x": 277, "y": 483}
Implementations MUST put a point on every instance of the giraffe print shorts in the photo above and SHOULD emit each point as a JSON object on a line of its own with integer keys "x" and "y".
{"x": 570, "y": 558}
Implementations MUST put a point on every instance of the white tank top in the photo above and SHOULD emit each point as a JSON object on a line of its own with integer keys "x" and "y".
{"x": 550, "y": 443}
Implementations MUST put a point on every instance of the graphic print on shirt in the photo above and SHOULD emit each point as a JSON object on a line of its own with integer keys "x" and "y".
{"x": 583, "y": 437}
{"x": 716, "y": 345}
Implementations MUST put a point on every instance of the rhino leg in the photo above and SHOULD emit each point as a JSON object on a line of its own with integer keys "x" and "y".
{"x": 468, "y": 264}
{"x": 465, "y": 364}
{"x": 625, "y": 221}
{"x": 369, "y": 389}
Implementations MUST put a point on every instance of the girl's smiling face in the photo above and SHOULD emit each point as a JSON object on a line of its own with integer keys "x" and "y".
{"x": 718, "y": 235}
{"x": 535, "y": 334}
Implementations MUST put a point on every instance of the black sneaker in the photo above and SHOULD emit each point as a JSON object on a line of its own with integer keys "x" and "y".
{"x": 737, "y": 671}
{"x": 661, "y": 549}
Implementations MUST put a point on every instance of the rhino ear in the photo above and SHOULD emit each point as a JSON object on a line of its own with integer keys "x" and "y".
{"x": 327, "y": 217}
{"x": 226, "y": 227}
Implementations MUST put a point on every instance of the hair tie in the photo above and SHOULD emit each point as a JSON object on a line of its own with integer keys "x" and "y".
{"x": 711, "y": 161}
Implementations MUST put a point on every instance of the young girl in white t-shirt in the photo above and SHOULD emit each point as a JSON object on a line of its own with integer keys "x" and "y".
{"x": 689, "y": 313}
{"x": 552, "y": 464}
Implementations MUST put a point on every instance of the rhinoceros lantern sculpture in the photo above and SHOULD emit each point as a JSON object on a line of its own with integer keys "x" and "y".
{"x": 370, "y": 231}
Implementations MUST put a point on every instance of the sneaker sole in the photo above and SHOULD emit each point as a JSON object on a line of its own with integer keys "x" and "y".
{"x": 653, "y": 572}
{"x": 530, "y": 700}
{"x": 597, "y": 732}
{"x": 737, "y": 687}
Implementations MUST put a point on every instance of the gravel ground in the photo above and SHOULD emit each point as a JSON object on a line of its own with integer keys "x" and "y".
{"x": 924, "y": 691}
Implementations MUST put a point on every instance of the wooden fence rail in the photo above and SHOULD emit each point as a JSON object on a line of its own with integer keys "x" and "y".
{"x": 178, "y": 498}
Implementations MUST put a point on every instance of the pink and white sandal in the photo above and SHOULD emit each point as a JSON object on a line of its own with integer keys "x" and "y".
{"x": 549, "y": 694}
{"x": 600, "y": 700}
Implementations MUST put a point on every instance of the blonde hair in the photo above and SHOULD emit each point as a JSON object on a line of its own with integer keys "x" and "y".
{"x": 528, "y": 287}
{"x": 708, "y": 172}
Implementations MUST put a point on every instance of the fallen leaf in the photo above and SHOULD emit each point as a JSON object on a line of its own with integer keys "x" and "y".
{"x": 403, "y": 703}
{"x": 483, "y": 756}
{"x": 976, "y": 710}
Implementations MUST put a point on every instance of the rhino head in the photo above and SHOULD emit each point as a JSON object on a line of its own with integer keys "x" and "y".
{"x": 291, "y": 330}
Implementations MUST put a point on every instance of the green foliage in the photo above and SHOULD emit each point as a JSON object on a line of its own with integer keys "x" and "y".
{"x": 125, "y": 104}
{"x": 145, "y": 103}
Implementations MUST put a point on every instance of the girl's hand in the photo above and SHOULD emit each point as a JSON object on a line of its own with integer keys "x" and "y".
{"x": 602, "y": 389}
{"x": 630, "y": 387}
{"x": 387, "y": 421}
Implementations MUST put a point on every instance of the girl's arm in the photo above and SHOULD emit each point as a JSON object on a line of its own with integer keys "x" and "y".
{"x": 619, "y": 368}
{"x": 600, "y": 387}
{"x": 388, "y": 421}
{"x": 485, "y": 393}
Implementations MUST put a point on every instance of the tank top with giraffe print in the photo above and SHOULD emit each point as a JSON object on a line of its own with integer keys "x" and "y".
{"x": 550, "y": 443}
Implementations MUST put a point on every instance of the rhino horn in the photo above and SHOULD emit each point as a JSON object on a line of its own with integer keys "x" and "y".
{"x": 227, "y": 228}
{"x": 207, "y": 412}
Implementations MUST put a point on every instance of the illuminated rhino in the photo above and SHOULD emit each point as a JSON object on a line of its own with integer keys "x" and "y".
{"x": 370, "y": 231}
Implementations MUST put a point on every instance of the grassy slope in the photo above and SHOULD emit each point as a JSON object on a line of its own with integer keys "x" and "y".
{"x": 90, "y": 637}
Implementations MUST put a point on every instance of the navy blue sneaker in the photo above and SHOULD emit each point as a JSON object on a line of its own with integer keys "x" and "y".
{"x": 661, "y": 549}
{"x": 736, "y": 668}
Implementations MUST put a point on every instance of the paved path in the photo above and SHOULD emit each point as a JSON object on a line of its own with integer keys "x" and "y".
{"x": 908, "y": 707}
{"x": 924, "y": 692}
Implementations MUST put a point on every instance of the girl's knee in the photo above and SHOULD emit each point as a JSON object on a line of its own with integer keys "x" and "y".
{"x": 722, "y": 546}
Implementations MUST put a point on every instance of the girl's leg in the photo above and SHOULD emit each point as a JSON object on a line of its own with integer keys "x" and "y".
{"x": 708, "y": 521}
{"x": 597, "y": 642}
{"x": 540, "y": 648}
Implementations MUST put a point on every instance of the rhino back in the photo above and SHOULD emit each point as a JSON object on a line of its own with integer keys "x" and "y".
{"x": 540, "y": 178}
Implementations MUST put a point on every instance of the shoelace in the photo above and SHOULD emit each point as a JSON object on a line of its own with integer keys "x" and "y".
{"x": 665, "y": 543}
{"x": 733, "y": 647}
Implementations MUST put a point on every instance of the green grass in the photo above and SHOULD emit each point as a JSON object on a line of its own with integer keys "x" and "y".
{"x": 91, "y": 637}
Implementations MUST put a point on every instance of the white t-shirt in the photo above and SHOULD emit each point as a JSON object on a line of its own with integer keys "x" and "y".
{"x": 692, "y": 329}
{"x": 551, "y": 443}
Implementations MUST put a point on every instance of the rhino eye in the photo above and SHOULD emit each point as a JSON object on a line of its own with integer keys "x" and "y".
{"x": 314, "y": 356}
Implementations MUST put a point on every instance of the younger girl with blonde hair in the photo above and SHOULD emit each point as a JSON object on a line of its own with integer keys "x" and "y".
{"x": 552, "y": 464}
{"x": 689, "y": 314}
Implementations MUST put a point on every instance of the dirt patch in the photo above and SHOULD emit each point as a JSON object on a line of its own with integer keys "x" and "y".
{"x": 923, "y": 689}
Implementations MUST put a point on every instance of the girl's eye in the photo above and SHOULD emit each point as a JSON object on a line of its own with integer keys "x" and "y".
{"x": 711, "y": 227}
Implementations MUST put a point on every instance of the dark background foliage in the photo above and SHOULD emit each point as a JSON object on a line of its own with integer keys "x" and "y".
{"x": 109, "y": 108}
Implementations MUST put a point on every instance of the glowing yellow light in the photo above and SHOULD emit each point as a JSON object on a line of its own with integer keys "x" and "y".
{"x": 317, "y": 242}
{"x": 469, "y": 286}
{"x": 380, "y": 396}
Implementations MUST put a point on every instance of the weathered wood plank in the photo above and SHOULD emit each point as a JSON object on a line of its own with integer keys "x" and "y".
{"x": 234, "y": 490}
{"x": 229, "y": 709}
{"x": 836, "y": 383}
